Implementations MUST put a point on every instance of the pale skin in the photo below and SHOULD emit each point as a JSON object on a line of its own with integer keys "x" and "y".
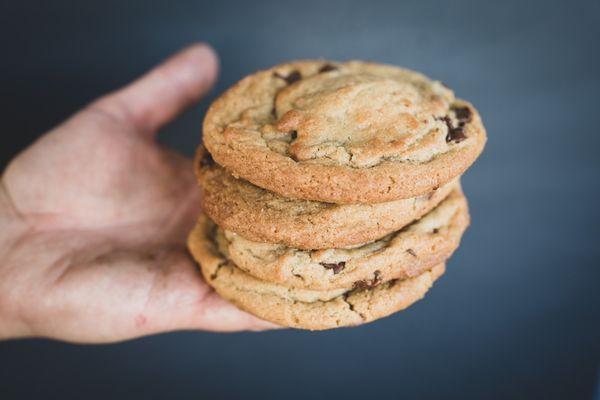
{"x": 94, "y": 217}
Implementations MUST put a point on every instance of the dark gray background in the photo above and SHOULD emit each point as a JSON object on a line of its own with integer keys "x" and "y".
{"x": 516, "y": 316}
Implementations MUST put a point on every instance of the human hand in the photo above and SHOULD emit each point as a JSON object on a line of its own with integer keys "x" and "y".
{"x": 94, "y": 218}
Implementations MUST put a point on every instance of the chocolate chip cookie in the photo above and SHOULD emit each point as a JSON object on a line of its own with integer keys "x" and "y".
{"x": 304, "y": 308}
{"x": 346, "y": 133}
{"x": 263, "y": 216}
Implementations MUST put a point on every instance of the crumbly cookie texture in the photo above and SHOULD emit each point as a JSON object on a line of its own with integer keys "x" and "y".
{"x": 302, "y": 308}
{"x": 345, "y": 133}
{"x": 400, "y": 255}
{"x": 263, "y": 216}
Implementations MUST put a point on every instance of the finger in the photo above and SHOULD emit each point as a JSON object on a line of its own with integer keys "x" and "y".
{"x": 180, "y": 299}
{"x": 163, "y": 93}
{"x": 218, "y": 315}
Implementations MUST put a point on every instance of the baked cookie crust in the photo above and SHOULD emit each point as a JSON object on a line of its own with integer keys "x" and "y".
{"x": 346, "y": 133}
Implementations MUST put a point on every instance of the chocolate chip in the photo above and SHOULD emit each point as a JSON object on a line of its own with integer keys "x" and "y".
{"x": 291, "y": 78}
{"x": 327, "y": 68}
{"x": 350, "y": 305}
{"x": 360, "y": 284}
{"x": 435, "y": 230}
{"x": 294, "y": 135}
{"x": 364, "y": 284}
{"x": 206, "y": 160}
{"x": 463, "y": 114}
{"x": 336, "y": 267}
{"x": 455, "y": 134}
{"x": 411, "y": 252}
{"x": 368, "y": 284}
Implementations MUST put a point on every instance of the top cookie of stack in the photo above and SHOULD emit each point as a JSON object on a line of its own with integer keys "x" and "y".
{"x": 343, "y": 133}
{"x": 334, "y": 190}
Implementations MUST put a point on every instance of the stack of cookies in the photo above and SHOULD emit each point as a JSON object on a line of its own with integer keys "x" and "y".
{"x": 331, "y": 191}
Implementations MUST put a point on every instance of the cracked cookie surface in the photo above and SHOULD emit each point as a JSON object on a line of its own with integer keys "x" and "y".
{"x": 400, "y": 255}
{"x": 302, "y": 308}
{"x": 345, "y": 133}
{"x": 263, "y": 216}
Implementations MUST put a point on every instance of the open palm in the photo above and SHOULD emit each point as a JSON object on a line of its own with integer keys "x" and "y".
{"x": 103, "y": 212}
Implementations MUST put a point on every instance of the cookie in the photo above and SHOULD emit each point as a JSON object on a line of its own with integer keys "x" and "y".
{"x": 345, "y": 133}
{"x": 302, "y": 308}
{"x": 263, "y": 216}
{"x": 400, "y": 255}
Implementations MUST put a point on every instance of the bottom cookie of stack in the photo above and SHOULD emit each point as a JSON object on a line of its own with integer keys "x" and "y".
{"x": 299, "y": 307}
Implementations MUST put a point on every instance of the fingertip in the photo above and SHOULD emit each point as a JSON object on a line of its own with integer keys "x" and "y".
{"x": 218, "y": 315}
{"x": 163, "y": 93}
{"x": 262, "y": 325}
{"x": 205, "y": 52}
{"x": 202, "y": 56}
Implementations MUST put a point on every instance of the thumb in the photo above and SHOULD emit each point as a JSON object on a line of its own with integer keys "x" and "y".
{"x": 167, "y": 90}
{"x": 218, "y": 315}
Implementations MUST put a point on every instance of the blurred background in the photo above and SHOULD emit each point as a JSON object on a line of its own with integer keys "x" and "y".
{"x": 518, "y": 313}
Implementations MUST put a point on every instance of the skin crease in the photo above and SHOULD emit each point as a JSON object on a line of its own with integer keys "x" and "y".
{"x": 94, "y": 217}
